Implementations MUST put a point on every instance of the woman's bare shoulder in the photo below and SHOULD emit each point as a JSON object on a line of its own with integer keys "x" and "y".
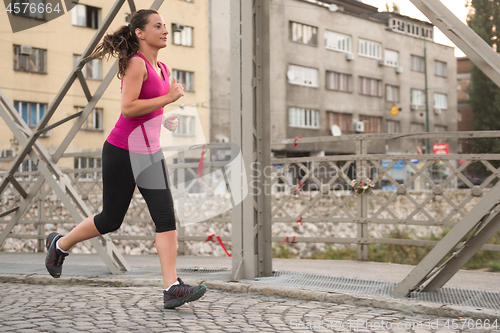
{"x": 136, "y": 67}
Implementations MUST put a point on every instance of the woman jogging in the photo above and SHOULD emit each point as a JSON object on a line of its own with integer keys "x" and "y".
{"x": 145, "y": 91}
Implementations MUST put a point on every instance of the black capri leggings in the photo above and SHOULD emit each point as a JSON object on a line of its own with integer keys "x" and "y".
{"x": 119, "y": 184}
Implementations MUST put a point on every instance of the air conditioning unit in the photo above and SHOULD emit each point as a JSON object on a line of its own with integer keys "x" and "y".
{"x": 177, "y": 27}
{"x": 399, "y": 69}
{"x": 359, "y": 126}
{"x": 8, "y": 152}
{"x": 381, "y": 63}
{"x": 46, "y": 134}
{"x": 350, "y": 56}
{"x": 26, "y": 49}
{"x": 437, "y": 111}
{"x": 414, "y": 107}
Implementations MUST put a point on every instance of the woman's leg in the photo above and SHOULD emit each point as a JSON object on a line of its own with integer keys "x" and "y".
{"x": 154, "y": 188}
{"x": 160, "y": 205}
{"x": 118, "y": 188}
{"x": 161, "y": 208}
{"x": 166, "y": 246}
{"x": 83, "y": 231}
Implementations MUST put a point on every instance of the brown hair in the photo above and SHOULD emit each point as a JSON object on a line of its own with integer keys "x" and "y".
{"x": 123, "y": 43}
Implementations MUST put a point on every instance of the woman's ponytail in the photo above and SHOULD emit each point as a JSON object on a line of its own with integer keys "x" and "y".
{"x": 124, "y": 43}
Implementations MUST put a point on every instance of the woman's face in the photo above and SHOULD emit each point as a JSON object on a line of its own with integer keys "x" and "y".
{"x": 155, "y": 32}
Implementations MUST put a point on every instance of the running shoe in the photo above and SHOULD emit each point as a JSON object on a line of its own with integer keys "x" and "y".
{"x": 54, "y": 258}
{"x": 182, "y": 293}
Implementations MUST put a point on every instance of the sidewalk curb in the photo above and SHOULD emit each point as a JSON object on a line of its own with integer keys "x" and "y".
{"x": 451, "y": 311}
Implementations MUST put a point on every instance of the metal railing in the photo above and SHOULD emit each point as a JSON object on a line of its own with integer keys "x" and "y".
{"x": 426, "y": 191}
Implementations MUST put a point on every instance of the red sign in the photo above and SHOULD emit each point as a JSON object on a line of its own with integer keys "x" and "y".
{"x": 441, "y": 148}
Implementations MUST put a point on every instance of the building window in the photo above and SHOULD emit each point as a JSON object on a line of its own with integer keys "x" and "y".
{"x": 338, "y": 81}
{"x": 29, "y": 59}
{"x": 427, "y": 33}
{"x": 417, "y": 64}
{"x": 370, "y": 87}
{"x": 186, "y": 126}
{"x": 342, "y": 120}
{"x": 302, "y": 33}
{"x": 398, "y": 25}
{"x": 392, "y": 93}
{"x": 338, "y": 42}
{"x": 391, "y": 58}
{"x": 303, "y": 76}
{"x": 415, "y": 30}
{"x": 372, "y": 124}
{"x": 303, "y": 118}
{"x": 27, "y": 166}
{"x": 85, "y": 16}
{"x": 94, "y": 120}
{"x": 185, "y": 78}
{"x": 417, "y": 97}
{"x": 182, "y": 35}
{"x": 30, "y": 112}
{"x": 440, "y": 68}
{"x": 29, "y": 8}
{"x": 91, "y": 70}
{"x": 417, "y": 128}
{"x": 440, "y": 101}
{"x": 87, "y": 163}
{"x": 367, "y": 48}
{"x": 440, "y": 128}
{"x": 393, "y": 126}
{"x": 410, "y": 29}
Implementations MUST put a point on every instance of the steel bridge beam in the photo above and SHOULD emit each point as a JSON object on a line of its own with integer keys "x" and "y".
{"x": 427, "y": 268}
{"x": 479, "y": 52}
{"x": 428, "y": 275}
{"x": 250, "y": 129}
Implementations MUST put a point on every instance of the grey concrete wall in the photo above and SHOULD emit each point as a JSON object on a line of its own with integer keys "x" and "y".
{"x": 285, "y": 95}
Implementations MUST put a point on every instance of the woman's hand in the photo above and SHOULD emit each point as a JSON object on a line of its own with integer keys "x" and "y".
{"x": 175, "y": 91}
{"x": 171, "y": 122}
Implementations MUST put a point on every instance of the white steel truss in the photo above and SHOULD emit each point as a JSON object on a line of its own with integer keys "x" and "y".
{"x": 483, "y": 221}
{"x": 251, "y": 233}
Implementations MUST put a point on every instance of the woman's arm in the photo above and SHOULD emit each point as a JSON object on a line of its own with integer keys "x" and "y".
{"x": 131, "y": 105}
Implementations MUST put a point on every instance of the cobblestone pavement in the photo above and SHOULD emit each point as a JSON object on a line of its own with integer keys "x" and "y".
{"x": 63, "y": 308}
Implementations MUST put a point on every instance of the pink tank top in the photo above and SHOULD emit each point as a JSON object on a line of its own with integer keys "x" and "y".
{"x": 142, "y": 134}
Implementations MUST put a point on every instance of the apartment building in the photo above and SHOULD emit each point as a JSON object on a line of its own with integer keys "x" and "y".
{"x": 36, "y": 62}
{"x": 343, "y": 63}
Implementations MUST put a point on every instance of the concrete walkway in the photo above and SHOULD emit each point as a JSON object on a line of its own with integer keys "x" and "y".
{"x": 215, "y": 273}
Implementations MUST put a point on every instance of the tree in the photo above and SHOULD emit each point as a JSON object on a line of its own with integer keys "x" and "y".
{"x": 484, "y": 95}
{"x": 392, "y": 8}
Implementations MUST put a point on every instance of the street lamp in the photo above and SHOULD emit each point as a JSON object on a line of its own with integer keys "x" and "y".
{"x": 426, "y": 95}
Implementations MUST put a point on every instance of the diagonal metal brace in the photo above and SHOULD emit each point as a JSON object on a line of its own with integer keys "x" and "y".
{"x": 427, "y": 267}
{"x": 48, "y": 168}
{"x": 62, "y": 186}
{"x": 470, "y": 248}
{"x": 479, "y": 52}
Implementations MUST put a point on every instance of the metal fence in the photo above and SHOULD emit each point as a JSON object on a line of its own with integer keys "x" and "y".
{"x": 310, "y": 195}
